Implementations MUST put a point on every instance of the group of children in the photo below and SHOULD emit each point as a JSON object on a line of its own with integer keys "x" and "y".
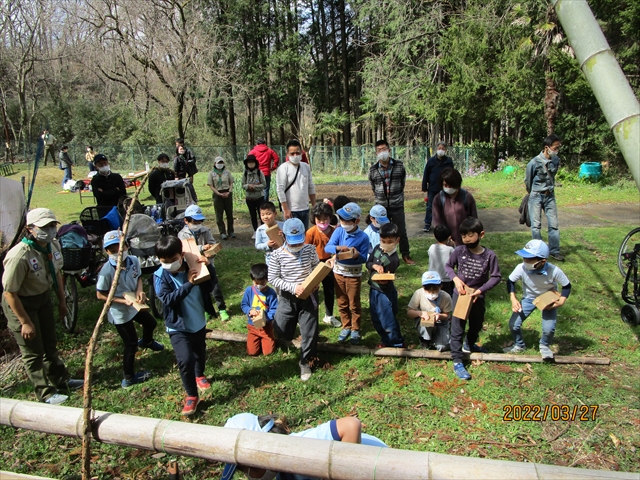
{"x": 335, "y": 239}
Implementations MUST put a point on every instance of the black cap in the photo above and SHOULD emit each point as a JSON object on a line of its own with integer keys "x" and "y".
{"x": 99, "y": 157}
{"x": 250, "y": 158}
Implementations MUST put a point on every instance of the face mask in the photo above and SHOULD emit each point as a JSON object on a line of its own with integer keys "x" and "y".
{"x": 348, "y": 227}
{"x": 194, "y": 228}
{"x": 163, "y": 166}
{"x": 295, "y": 159}
{"x": 105, "y": 170}
{"x": 431, "y": 296}
{"x": 172, "y": 267}
{"x": 553, "y": 153}
{"x": 45, "y": 234}
{"x": 262, "y": 288}
{"x": 449, "y": 190}
{"x": 294, "y": 249}
{"x": 388, "y": 247}
{"x": 440, "y": 153}
{"x": 473, "y": 245}
{"x": 383, "y": 156}
{"x": 322, "y": 226}
{"x": 114, "y": 257}
{"x": 374, "y": 223}
{"x": 220, "y": 166}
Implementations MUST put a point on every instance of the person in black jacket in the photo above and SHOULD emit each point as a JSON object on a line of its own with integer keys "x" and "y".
{"x": 107, "y": 187}
{"x": 187, "y": 159}
{"x": 159, "y": 175}
{"x": 431, "y": 179}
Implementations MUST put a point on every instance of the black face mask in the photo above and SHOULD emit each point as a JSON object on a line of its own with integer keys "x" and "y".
{"x": 473, "y": 245}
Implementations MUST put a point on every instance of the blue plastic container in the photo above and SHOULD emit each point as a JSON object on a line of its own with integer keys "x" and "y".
{"x": 591, "y": 170}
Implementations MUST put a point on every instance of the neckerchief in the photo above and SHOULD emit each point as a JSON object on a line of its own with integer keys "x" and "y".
{"x": 47, "y": 252}
{"x": 219, "y": 172}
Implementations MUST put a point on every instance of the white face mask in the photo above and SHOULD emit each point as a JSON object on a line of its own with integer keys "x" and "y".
{"x": 294, "y": 249}
{"x": 531, "y": 266}
{"x": 431, "y": 296}
{"x": 45, "y": 234}
{"x": 449, "y": 190}
{"x": 163, "y": 166}
{"x": 262, "y": 288}
{"x": 375, "y": 223}
{"x": 295, "y": 159}
{"x": 383, "y": 156}
{"x": 105, "y": 170}
{"x": 114, "y": 257}
{"x": 348, "y": 227}
{"x": 440, "y": 153}
{"x": 194, "y": 228}
{"x": 388, "y": 247}
{"x": 172, "y": 267}
{"x": 219, "y": 166}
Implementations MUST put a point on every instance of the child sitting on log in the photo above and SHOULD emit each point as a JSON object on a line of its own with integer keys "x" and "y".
{"x": 259, "y": 303}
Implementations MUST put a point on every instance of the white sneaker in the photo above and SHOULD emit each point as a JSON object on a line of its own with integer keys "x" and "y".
{"x": 56, "y": 399}
{"x": 305, "y": 372}
{"x": 331, "y": 320}
{"x": 253, "y": 237}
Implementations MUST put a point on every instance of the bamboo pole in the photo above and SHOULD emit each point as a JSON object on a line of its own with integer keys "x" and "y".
{"x": 91, "y": 348}
{"x": 20, "y": 476}
{"x": 418, "y": 353}
{"x": 306, "y": 456}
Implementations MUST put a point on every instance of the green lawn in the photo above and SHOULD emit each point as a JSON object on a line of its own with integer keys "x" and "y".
{"x": 409, "y": 403}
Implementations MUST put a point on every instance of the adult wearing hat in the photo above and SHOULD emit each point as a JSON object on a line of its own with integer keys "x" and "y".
{"x": 220, "y": 182}
{"x": 267, "y": 162}
{"x": 107, "y": 187}
{"x": 31, "y": 271}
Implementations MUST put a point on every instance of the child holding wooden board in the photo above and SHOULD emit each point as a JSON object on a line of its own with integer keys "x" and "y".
{"x": 264, "y": 242}
{"x": 477, "y": 273}
{"x": 430, "y": 306}
{"x": 123, "y": 311}
{"x": 539, "y": 280}
{"x": 259, "y": 303}
{"x": 383, "y": 296}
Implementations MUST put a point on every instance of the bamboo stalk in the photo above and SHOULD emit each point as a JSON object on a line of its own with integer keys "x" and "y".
{"x": 306, "y": 456}
{"x": 20, "y": 476}
{"x": 91, "y": 348}
{"x": 419, "y": 353}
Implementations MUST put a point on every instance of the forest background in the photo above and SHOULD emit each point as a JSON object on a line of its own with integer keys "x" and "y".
{"x": 492, "y": 75}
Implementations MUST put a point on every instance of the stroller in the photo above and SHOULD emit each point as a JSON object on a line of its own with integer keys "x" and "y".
{"x": 177, "y": 196}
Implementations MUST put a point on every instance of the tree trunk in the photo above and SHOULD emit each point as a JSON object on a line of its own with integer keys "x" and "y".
{"x": 345, "y": 75}
{"x": 495, "y": 137}
{"x": 550, "y": 104}
{"x": 232, "y": 117}
{"x": 325, "y": 55}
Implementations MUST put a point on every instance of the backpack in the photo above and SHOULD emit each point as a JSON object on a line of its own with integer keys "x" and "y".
{"x": 463, "y": 197}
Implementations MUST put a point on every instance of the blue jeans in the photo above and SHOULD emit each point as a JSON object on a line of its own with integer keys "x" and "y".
{"x": 547, "y": 202}
{"x": 267, "y": 188}
{"x": 548, "y": 323}
{"x": 428, "y": 216}
{"x": 67, "y": 175}
{"x": 302, "y": 215}
{"x": 384, "y": 307}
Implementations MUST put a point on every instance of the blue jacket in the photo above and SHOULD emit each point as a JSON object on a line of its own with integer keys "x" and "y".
{"x": 271, "y": 301}
{"x": 432, "y": 171}
{"x": 357, "y": 239}
{"x": 540, "y": 173}
{"x": 171, "y": 296}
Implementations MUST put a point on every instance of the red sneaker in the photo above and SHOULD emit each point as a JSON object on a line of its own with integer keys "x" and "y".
{"x": 203, "y": 383}
{"x": 190, "y": 406}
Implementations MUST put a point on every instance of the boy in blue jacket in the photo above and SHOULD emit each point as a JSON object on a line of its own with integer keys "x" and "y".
{"x": 184, "y": 305}
{"x": 260, "y": 298}
{"x": 348, "y": 272}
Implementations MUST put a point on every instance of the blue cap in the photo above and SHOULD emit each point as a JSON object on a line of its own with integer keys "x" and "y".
{"x": 431, "y": 278}
{"x": 351, "y": 211}
{"x": 195, "y": 212}
{"x": 534, "y": 248}
{"x": 111, "y": 238}
{"x": 243, "y": 421}
{"x": 380, "y": 214}
{"x": 294, "y": 231}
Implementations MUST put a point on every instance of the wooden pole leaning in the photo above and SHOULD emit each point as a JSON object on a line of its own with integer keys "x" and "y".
{"x": 419, "y": 353}
{"x": 91, "y": 347}
{"x": 317, "y": 458}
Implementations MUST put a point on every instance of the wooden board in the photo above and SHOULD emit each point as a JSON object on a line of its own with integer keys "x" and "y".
{"x": 463, "y": 305}
{"x": 383, "y": 276}
{"x": 215, "y": 248}
{"x": 274, "y": 234}
{"x": 314, "y": 279}
{"x": 259, "y": 321}
{"x": 345, "y": 255}
{"x": 191, "y": 255}
{"x": 543, "y": 301}
{"x": 430, "y": 322}
{"x": 132, "y": 297}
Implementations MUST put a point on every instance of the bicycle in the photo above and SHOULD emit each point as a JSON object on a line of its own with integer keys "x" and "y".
{"x": 628, "y": 257}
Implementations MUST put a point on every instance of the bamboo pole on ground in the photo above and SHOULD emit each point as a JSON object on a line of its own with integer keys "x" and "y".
{"x": 307, "y": 456}
{"x": 91, "y": 348}
{"x": 20, "y": 476}
{"x": 418, "y": 353}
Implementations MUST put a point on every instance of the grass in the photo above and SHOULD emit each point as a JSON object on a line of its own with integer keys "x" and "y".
{"x": 409, "y": 403}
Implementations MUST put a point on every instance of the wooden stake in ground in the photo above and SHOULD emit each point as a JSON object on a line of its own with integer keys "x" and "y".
{"x": 91, "y": 348}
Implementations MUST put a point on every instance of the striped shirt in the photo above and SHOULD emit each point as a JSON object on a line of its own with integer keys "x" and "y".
{"x": 286, "y": 270}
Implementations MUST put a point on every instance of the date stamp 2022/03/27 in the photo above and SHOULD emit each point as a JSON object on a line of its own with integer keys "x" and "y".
{"x": 555, "y": 413}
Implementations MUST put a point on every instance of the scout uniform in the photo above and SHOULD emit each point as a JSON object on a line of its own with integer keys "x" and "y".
{"x": 30, "y": 270}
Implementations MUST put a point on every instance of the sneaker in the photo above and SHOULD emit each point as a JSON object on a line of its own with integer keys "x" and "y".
{"x": 546, "y": 352}
{"x": 331, "y": 320}
{"x": 190, "y": 406}
{"x": 305, "y": 372}
{"x": 344, "y": 335}
{"x": 223, "y": 236}
{"x": 232, "y": 235}
{"x": 253, "y": 237}
{"x": 408, "y": 260}
{"x": 558, "y": 256}
{"x": 137, "y": 378}
{"x": 474, "y": 348}
{"x": 224, "y": 316}
{"x": 355, "y": 337}
{"x": 426, "y": 229}
{"x": 461, "y": 372}
{"x": 56, "y": 399}
{"x": 153, "y": 346}
{"x": 514, "y": 349}
{"x": 203, "y": 383}
{"x": 73, "y": 384}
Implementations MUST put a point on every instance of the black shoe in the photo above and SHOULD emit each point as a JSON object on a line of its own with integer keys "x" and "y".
{"x": 558, "y": 256}
{"x": 426, "y": 229}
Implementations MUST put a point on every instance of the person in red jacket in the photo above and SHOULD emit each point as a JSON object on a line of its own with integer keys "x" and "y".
{"x": 267, "y": 162}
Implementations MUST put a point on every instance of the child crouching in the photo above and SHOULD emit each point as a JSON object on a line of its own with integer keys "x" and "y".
{"x": 431, "y": 303}
{"x": 259, "y": 303}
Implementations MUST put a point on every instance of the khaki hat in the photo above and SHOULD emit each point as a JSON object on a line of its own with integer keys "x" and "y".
{"x": 41, "y": 217}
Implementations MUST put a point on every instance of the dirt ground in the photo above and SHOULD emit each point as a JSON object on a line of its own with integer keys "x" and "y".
{"x": 360, "y": 192}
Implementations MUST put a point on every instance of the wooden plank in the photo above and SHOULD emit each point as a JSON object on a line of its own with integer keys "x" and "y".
{"x": 274, "y": 234}
{"x": 215, "y": 248}
{"x": 376, "y": 277}
{"x": 259, "y": 320}
{"x": 192, "y": 255}
{"x": 132, "y": 297}
{"x": 314, "y": 279}
{"x": 346, "y": 254}
{"x": 543, "y": 301}
{"x": 464, "y": 303}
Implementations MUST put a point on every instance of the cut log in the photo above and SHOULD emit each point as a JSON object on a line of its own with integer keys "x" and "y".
{"x": 419, "y": 353}
{"x": 192, "y": 255}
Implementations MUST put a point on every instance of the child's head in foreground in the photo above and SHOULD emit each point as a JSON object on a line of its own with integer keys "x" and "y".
{"x": 471, "y": 231}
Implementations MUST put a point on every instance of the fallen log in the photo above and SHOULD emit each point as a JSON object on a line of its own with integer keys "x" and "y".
{"x": 419, "y": 353}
